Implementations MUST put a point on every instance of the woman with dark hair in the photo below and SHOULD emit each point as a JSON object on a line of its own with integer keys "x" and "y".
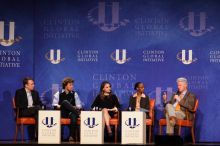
{"x": 107, "y": 102}
{"x": 139, "y": 101}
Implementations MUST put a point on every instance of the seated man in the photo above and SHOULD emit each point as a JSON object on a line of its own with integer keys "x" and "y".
{"x": 69, "y": 103}
{"x": 28, "y": 102}
{"x": 180, "y": 102}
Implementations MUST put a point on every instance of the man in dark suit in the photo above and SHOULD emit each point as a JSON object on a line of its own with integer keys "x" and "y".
{"x": 28, "y": 102}
{"x": 180, "y": 102}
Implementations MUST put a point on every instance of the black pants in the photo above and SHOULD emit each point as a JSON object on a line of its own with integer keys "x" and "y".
{"x": 68, "y": 111}
{"x": 31, "y": 112}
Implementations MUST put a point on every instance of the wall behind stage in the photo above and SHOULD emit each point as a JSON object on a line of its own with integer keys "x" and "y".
{"x": 16, "y": 56}
{"x": 120, "y": 41}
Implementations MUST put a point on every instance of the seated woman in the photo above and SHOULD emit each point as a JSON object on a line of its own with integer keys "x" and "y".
{"x": 139, "y": 101}
{"x": 107, "y": 102}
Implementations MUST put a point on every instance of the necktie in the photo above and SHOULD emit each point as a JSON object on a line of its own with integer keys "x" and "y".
{"x": 178, "y": 105}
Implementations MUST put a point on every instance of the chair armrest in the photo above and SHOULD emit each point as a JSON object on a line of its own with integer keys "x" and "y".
{"x": 187, "y": 114}
{"x": 189, "y": 110}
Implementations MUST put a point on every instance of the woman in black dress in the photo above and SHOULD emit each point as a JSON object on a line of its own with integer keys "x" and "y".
{"x": 107, "y": 102}
{"x": 139, "y": 101}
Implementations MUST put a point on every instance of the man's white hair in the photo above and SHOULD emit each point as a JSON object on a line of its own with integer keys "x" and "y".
{"x": 182, "y": 79}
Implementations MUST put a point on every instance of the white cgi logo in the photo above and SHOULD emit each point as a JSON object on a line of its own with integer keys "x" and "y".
{"x": 51, "y": 56}
{"x": 192, "y": 28}
{"x": 11, "y": 39}
{"x": 181, "y": 56}
{"x": 116, "y": 56}
{"x": 101, "y": 20}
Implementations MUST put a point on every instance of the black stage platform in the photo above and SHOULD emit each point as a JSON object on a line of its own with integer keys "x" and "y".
{"x": 107, "y": 144}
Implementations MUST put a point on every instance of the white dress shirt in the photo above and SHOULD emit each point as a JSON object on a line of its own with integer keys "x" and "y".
{"x": 29, "y": 98}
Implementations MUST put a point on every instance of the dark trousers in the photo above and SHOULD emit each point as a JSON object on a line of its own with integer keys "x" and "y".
{"x": 31, "y": 112}
{"x": 68, "y": 111}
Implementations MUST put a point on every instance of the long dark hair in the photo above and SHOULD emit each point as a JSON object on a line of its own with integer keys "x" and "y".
{"x": 101, "y": 93}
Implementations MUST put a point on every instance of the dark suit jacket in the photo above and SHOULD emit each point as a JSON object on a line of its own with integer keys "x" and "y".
{"x": 144, "y": 103}
{"x": 187, "y": 103}
{"x": 21, "y": 100}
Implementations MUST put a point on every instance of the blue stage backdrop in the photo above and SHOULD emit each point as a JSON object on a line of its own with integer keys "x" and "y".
{"x": 152, "y": 41}
{"x": 16, "y": 57}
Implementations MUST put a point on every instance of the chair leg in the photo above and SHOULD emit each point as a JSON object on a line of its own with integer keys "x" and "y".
{"x": 22, "y": 132}
{"x": 76, "y": 134}
{"x": 193, "y": 135}
{"x": 179, "y": 131}
{"x": 16, "y": 133}
{"x": 116, "y": 133}
{"x": 150, "y": 132}
{"x": 78, "y": 129}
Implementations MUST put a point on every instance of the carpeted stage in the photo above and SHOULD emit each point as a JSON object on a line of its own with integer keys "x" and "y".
{"x": 107, "y": 144}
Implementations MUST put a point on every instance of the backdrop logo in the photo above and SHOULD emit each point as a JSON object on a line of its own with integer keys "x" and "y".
{"x": 11, "y": 39}
{"x": 214, "y": 56}
{"x": 48, "y": 122}
{"x": 90, "y": 122}
{"x": 151, "y": 26}
{"x": 116, "y": 56}
{"x": 153, "y": 55}
{"x": 51, "y": 57}
{"x": 101, "y": 20}
{"x": 59, "y": 27}
{"x": 10, "y": 58}
{"x": 181, "y": 56}
{"x": 87, "y": 55}
{"x": 191, "y": 26}
{"x": 131, "y": 123}
{"x": 196, "y": 82}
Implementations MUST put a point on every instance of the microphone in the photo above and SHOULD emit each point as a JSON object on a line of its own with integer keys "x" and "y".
{"x": 176, "y": 93}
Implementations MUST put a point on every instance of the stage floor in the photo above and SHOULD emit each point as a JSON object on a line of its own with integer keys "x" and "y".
{"x": 107, "y": 144}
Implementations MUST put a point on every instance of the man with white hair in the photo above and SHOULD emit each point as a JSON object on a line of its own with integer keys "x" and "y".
{"x": 180, "y": 102}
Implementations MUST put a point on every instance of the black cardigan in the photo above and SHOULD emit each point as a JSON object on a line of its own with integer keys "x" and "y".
{"x": 144, "y": 103}
{"x": 109, "y": 102}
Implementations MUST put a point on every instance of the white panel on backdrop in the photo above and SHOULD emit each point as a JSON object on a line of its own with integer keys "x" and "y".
{"x": 92, "y": 127}
{"x": 49, "y": 127}
{"x": 133, "y": 127}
